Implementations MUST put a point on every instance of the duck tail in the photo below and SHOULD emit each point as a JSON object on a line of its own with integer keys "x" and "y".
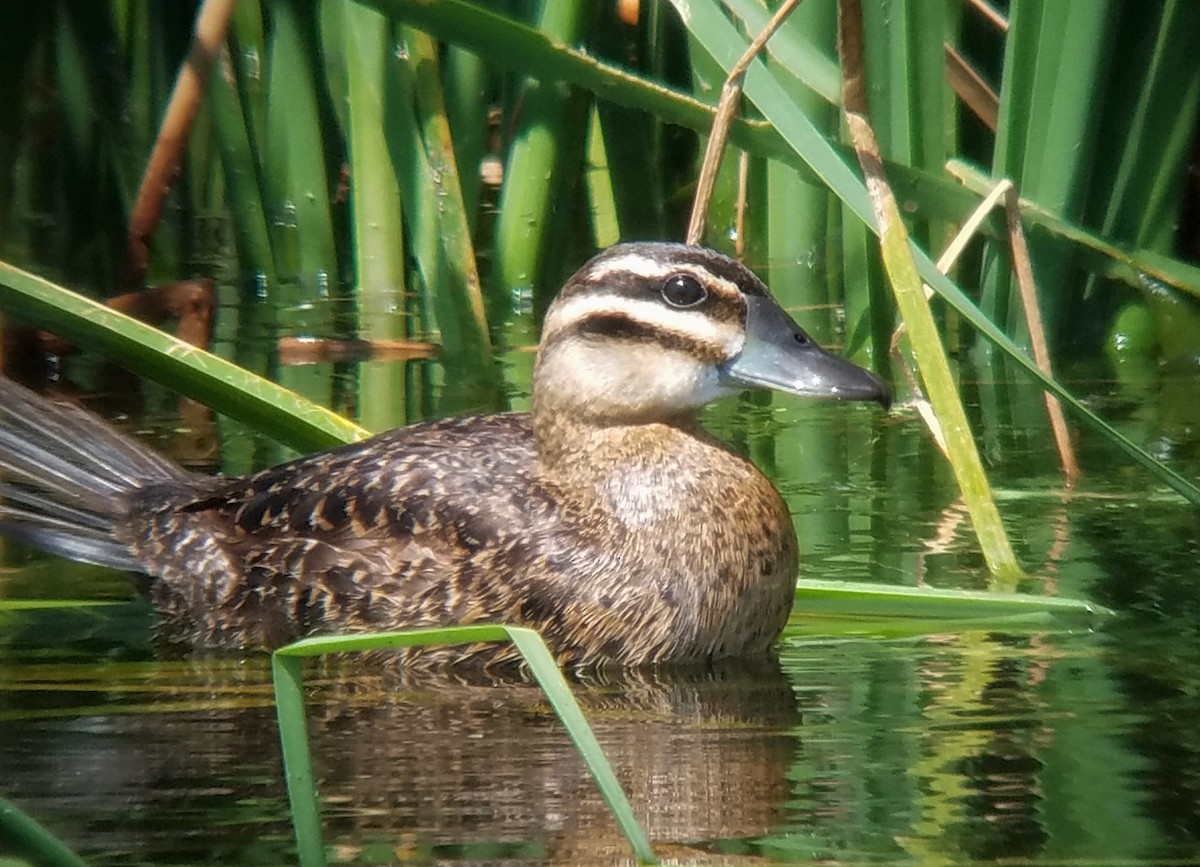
{"x": 66, "y": 476}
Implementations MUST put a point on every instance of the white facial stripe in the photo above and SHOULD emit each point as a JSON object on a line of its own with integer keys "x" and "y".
{"x": 632, "y": 263}
{"x": 691, "y": 323}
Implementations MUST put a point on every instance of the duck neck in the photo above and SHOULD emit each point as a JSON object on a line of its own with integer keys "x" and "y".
{"x": 578, "y": 449}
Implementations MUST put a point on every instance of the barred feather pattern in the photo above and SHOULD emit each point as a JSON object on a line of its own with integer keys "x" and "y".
{"x": 451, "y": 522}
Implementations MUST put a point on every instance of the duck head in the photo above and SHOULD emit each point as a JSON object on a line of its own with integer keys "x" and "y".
{"x": 650, "y": 332}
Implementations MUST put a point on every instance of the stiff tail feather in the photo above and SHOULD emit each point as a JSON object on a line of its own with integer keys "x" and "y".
{"x": 65, "y": 475}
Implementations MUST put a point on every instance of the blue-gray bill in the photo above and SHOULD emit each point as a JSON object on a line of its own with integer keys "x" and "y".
{"x": 779, "y": 354}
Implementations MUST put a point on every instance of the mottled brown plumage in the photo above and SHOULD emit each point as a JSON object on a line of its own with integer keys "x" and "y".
{"x": 606, "y": 519}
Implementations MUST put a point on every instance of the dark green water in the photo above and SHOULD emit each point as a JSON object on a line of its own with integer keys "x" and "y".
{"x": 862, "y": 745}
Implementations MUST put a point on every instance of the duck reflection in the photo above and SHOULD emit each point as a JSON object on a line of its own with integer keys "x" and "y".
{"x": 429, "y": 767}
{"x": 702, "y": 754}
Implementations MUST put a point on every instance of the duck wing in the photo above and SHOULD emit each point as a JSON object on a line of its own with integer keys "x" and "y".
{"x": 419, "y": 526}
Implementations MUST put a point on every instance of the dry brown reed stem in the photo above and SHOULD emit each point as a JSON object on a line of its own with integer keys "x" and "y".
{"x": 212, "y": 23}
{"x": 990, "y": 14}
{"x": 1025, "y": 282}
{"x": 191, "y": 304}
{"x": 317, "y": 350}
{"x": 1023, "y": 269}
{"x": 743, "y": 181}
{"x": 977, "y": 95}
{"x": 959, "y": 243}
{"x": 727, "y": 107}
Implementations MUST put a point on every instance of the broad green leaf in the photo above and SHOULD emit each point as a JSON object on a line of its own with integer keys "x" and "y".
{"x": 187, "y": 369}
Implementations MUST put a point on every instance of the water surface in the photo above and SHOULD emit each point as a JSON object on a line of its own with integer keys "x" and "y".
{"x": 862, "y": 744}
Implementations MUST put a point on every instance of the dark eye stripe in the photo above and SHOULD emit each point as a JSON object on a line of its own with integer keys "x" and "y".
{"x": 618, "y": 326}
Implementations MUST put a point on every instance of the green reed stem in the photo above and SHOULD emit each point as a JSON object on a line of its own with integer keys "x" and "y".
{"x": 31, "y": 840}
{"x": 856, "y": 599}
{"x": 533, "y": 176}
{"x": 377, "y": 236}
{"x": 461, "y": 298}
{"x": 466, "y": 83}
{"x": 1056, "y": 59}
{"x": 606, "y": 224}
{"x": 243, "y": 181}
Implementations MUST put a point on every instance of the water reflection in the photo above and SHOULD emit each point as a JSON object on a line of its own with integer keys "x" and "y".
{"x": 441, "y": 764}
{"x": 942, "y": 749}
{"x": 701, "y": 755}
{"x": 963, "y": 748}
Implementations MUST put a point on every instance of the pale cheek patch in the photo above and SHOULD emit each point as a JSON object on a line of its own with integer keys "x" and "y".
{"x": 639, "y": 381}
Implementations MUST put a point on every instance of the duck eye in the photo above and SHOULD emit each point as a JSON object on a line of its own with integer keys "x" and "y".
{"x": 683, "y": 290}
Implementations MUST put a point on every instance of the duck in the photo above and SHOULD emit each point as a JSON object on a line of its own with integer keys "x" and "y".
{"x": 606, "y": 518}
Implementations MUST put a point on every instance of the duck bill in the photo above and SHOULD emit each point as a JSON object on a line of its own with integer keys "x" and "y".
{"x": 778, "y": 354}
